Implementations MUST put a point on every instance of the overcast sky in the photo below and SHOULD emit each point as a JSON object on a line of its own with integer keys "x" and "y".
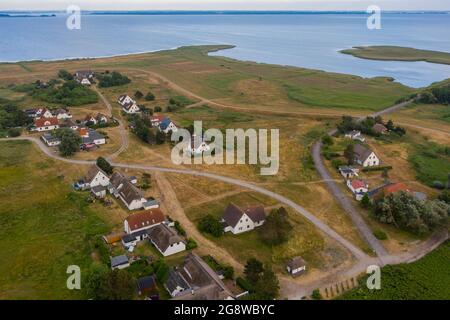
{"x": 225, "y": 4}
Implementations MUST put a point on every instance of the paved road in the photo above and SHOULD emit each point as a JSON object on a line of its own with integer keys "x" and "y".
{"x": 313, "y": 219}
{"x": 123, "y": 132}
{"x": 342, "y": 198}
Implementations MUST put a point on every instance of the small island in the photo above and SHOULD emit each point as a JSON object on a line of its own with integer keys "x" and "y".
{"x": 394, "y": 53}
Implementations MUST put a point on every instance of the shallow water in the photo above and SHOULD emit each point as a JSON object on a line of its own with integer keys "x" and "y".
{"x": 303, "y": 40}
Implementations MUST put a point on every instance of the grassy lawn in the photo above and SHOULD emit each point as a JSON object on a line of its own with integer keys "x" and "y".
{"x": 44, "y": 226}
{"x": 427, "y": 278}
{"x": 398, "y": 54}
{"x": 245, "y": 84}
{"x": 431, "y": 163}
{"x": 305, "y": 239}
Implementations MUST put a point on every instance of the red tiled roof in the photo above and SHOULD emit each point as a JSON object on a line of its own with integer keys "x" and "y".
{"x": 145, "y": 218}
{"x": 395, "y": 187}
{"x": 45, "y": 122}
{"x": 358, "y": 184}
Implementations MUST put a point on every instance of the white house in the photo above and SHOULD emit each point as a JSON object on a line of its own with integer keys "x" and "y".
{"x": 96, "y": 177}
{"x": 237, "y": 220}
{"x": 131, "y": 108}
{"x": 90, "y": 118}
{"x": 62, "y": 114}
{"x": 101, "y": 118}
{"x": 156, "y": 120}
{"x": 358, "y": 187}
{"x": 355, "y": 135}
{"x": 365, "y": 157}
{"x": 348, "y": 172}
{"x": 46, "y": 124}
{"x": 166, "y": 240}
{"x": 296, "y": 266}
{"x": 84, "y": 77}
{"x": 143, "y": 220}
{"x": 44, "y": 113}
{"x": 51, "y": 140}
{"x": 167, "y": 125}
{"x": 131, "y": 196}
{"x": 94, "y": 137}
{"x": 124, "y": 100}
{"x": 197, "y": 146}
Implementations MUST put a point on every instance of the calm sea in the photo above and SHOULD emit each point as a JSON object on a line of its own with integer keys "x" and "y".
{"x": 303, "y": 40}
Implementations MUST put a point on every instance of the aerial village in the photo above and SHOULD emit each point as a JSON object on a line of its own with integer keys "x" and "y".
{"x": 149, "y": 235}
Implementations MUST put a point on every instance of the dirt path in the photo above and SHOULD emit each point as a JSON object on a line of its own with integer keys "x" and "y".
{"x": 123, "y": 132}
{"x": 171, "y": 205}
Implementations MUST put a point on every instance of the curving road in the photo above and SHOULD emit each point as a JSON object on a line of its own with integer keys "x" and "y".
{"x": 340, "y": 195}
{"x": 313, "y": 219}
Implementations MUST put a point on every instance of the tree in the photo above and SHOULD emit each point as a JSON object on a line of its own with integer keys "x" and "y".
{"x": 103, "y": 284}
{"x": 92, "y": 284}
{"x": 160, "y": 137}
{"x": 349, "y": 154}
{"x": 149, "y": 96}
{"x": 138, "y": 94}
{"x": 267, "y": 286}
{"x": 253, "y": 270}
{"x": 365, "y": 201}
{"x": 277, "y": 227}
{"x": 445, "y": 196}
{"x": 64, "y": 74}
{"x": 327, "y": 140}
{"x": 406, "y": 212}
{"x": 316, "y": 295}
{"x": 162, "y": 270}
{"x": 70, "y": 141}
{"x": 210, "y": 224}
{"x": 103, "y": 164}
{"x": 390, "y": 125}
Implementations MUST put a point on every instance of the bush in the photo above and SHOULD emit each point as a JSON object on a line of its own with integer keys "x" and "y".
{"x": 14, "y": 132}
{"x": 327, "y": 140}
{"x": 138, "y": 95}
{"x": 316, "y": 295}
{"x": 210, "y": 224}
{"x": 336, "y": 163}
{"x": 406, "y": 212}
{"x": 244, "y": 284}
{"x": 276, "y": 229}
{"x": 379, "y": 168}
{"x": 103, "y": 164}
{"x": 150, "y": 96}
{"x": 157, "y": 109}
{"x": 380, "y": 235}
{"x": 180, "y": 229}
{"x": 112, "y": 79}
{"x": 71, "y": 93}
{"x": 438, "y": 185}
{"x": 65, "y": 75}
{"x": 191, "y": 244}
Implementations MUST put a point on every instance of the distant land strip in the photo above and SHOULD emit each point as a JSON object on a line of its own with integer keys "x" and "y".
{"x": 394, "y": 53}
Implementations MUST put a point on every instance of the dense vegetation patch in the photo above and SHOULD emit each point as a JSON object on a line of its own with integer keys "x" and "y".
{"x": 70, "y": 93}
{"x": 112, "y": 79}
{"x": 432, "y": 164}
{"x": 11, "y": 118}
{"x": 406, "y": 212}
{"x": 427, "y": 278}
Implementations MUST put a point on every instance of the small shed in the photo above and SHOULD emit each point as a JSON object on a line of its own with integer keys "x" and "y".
{"x": 120, "y": 262}
{"x": 146, "y": 286}
{"x": 296, "y": 266}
